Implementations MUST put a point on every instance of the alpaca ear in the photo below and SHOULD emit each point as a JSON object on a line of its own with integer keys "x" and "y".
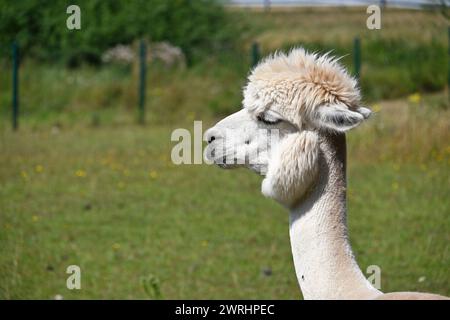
{"x": 366, "y": 112}
{"x": 339, "y": 117}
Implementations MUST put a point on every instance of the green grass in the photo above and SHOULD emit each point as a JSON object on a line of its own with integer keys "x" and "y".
{"x": 111, "y": 201}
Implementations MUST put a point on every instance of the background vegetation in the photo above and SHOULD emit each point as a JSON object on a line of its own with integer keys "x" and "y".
{"x": 40, "y": 29}
{"x": 406, "y": 56}
{"x": 82, "y": 184}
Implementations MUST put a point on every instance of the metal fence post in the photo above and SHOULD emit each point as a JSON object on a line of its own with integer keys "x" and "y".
{"x": 255, "y": 54}
{"x": 15, "y": 85}
{"x": 142, "y": 79}
{"x": 357, "y": 57}
{"x": 448, "y": 64}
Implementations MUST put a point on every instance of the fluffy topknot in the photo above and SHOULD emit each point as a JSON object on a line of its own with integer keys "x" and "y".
{"x": 297, "y": 83}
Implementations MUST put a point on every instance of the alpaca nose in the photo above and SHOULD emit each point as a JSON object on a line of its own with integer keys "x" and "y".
{"x": 211, "y": 135}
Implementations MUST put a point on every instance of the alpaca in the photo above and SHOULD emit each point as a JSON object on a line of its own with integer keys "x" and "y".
{"x": 309, "y": 102}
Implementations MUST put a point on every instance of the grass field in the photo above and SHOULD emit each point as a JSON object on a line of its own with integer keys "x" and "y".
{"x": 82, "y": 184}
{"x": 112, "y": 202}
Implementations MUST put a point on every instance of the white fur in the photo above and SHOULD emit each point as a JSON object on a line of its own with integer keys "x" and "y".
{"x": 310, "y": 100}
{"x": 296, "y": 84}
{"x": 292, "y": 168}
{"x": 336, "y": 117}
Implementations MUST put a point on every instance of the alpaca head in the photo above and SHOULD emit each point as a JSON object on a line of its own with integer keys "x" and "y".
{"x": 288, "y": 100}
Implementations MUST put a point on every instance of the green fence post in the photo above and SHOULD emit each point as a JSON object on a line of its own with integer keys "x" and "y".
{"x": 448, "y": 64}
{"x": 15, "y": 85}
{"x": 357, "y": 57}
{"x": 142, "y": 79}
{"x": 255, "y": 54}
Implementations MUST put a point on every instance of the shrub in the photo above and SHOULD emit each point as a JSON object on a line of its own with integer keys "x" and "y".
{"x": 196, "y": 26}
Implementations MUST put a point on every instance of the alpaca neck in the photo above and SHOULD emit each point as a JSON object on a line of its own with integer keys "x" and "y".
{"x": 323, "y": 259}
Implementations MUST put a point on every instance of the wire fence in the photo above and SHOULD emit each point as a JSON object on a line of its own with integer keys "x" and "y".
{"x": 141, "y": 87}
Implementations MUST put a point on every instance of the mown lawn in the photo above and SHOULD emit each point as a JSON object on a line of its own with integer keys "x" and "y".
{"x": 109, "y": 199}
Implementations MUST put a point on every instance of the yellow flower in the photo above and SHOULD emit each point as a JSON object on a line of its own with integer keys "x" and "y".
{"x": 116, "y": 246}
{"x": 24, "y": 175}
{"x": 395, "y": 186}
{"x": 153, "y": 174}
{"x": 35, "y": 218}
{"x": 39, "y": 168}
{"x": 350, "y": 193}
{"x": 121, "y": 185}
{"x": 414, "y": 98}
{"x": 191, "y": 116}
{"x": 157, "y": 91}
{"x": 80, "y": 173}
{"x": 376, "y": 107}
{"x": 204, "y": 243}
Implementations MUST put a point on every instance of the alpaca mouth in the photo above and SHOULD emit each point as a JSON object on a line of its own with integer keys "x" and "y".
{"x": 219, "y": 159}
{"x": 223, "y": 159}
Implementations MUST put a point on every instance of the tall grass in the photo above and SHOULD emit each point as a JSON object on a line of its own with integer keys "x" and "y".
{"x": 406, "y": 56}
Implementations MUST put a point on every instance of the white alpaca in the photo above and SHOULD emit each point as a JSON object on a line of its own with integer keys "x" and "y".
{"x": 309, "y": 101}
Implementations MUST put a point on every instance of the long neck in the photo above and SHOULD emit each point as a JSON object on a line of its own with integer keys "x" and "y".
{"x": 323, "y": 259}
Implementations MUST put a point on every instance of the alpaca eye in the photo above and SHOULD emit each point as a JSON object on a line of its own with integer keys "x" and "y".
{"x": 267, "y": 120}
